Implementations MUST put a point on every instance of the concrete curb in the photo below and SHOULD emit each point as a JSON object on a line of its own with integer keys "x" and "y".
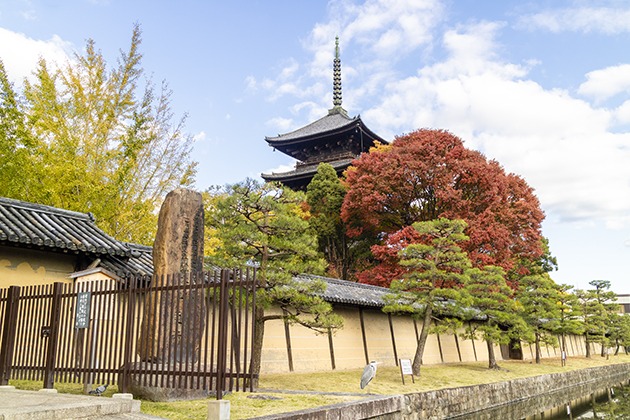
{"x": 372, "y": 407}
{"x": 34, "y": 405}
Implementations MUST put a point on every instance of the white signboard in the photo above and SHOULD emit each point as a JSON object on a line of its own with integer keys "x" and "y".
{"x": 405, "y": 367}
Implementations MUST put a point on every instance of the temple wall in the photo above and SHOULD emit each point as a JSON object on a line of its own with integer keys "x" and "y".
{"x": 367, "y": 335}
{"x": 26, "y": 267}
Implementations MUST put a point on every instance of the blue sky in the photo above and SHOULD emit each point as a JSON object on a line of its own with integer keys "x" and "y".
{"x": 542, "y": 87}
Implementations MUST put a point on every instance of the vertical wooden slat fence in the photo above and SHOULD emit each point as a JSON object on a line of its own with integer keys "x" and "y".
{"x": 90, "y": 332}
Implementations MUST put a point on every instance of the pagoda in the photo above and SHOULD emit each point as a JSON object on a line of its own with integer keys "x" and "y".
{"x": 336, "y": 139}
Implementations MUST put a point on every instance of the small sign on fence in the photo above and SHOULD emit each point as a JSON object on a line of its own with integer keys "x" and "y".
{"x": 405, "y": 369}
{"x": 83, "y": 310}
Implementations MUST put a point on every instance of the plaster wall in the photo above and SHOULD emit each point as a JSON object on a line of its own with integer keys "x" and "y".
{"x": 366, "y": 335}
{"x": 26, "y": 267}
{"x": 296, "y": 348}
{"x": 348, "y": 342}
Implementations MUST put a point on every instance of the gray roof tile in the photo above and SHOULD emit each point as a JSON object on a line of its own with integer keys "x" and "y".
{"x": 31, "y": 225}
{"x": 326, "y": 124}
{"x": 350, "y": 293}
{"x": 306, "y": 170}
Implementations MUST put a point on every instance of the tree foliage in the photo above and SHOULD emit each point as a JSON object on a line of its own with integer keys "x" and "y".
{"x": 15, "y": 141}
{"x": 619, "y": 332}
{"x": 267, "y": 226}
{"x": 325, "y": 194}
{"x": 100, "y": 140}
{"x": 499, "y": 313}
{"x": 570, "y": 315}
{"x": 434, "y": 277}
{"x": 538, "y": 296}
{"x": 429, "y": 174}
{"x": 598, "y": 307}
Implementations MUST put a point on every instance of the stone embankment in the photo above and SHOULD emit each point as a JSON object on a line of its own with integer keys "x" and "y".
{"x": 511, "y": 399}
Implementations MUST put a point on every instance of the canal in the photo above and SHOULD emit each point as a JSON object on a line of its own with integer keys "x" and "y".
{"x": 612, "y": 403}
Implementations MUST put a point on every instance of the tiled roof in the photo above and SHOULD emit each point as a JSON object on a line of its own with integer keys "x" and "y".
{"x": 326, "y": 124}
{"x": 139, "y": 264}
{"x": 36, "y": 226}
{"x": 351, "y": 293}
{"x": 49, "y": 227}
{"x": 306, "y": 170}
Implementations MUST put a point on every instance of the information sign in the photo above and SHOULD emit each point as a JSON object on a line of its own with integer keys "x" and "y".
{"x": 405, "y": 369}
{"x": 83, "y": 310}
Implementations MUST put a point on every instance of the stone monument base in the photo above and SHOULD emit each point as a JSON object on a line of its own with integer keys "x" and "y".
{"x": 162, "y": 387}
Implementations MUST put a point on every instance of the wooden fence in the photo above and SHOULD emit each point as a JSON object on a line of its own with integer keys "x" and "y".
{"x": 190, "y": 331}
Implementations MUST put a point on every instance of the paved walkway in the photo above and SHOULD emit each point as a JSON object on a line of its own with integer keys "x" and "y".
{"x": 44, "y": 404}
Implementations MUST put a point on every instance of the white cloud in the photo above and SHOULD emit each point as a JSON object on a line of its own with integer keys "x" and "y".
{"x": 384, "y": 31}
{"x": 20, "y": 53}
{"x": 251, "y": 83}
{"x": 280, "y": 169}
{"x": 289, "y": 70}
{"x": 622, "y": 113}
{"x": 283, "y": 125}
{"x": 199, "y": 137}
{"x": 606, "y": 83}
{"x": 572, "y": 151}
{"x": 607, "y": 20}
{"x": 560, "y": 144}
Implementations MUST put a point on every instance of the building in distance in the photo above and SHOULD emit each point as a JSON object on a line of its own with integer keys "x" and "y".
{"x": 336, "y": 139}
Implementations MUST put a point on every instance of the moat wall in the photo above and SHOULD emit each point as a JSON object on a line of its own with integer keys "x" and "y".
{"x": 511, "y": 399}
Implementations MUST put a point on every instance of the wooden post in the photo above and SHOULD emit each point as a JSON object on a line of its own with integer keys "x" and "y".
{"x": 51, "y": 353}
{"x": 129, "y": 334}
{"x": 365, "y": 348}
{"x": 287, "y": 337}
{"x": 391, "y": 332}
{"x": 222, "y": 342}
{"x": 8, "y": 334}
{"x": 332, "y": 349}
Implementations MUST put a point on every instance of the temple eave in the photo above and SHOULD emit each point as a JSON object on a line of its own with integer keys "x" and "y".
{"x": 301, "y": 176}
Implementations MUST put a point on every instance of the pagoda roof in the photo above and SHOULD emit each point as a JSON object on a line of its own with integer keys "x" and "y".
{"x": 335, "y": 138}
{"x": 302, "y": 174}
{"x": 323, "y": 126}
{"x": 331, "y": 124}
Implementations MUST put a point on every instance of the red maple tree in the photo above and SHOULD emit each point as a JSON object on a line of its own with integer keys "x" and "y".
{"x": 429, "y": 174}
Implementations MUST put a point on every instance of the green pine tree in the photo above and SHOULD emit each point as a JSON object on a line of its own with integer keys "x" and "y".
{"x": 266, "y": 225}
{"x": 325, "y": 194}
{"x": 619, "y": 331}
{"x": 499, "y": 314}
{"x": 538, "y": 295}
{"x": 432, "y": 286}
{"x": 598, "y": 305}
{"x": 570, "y": 320}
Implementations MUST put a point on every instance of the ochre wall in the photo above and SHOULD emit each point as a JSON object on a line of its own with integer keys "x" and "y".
{"x": 25, "y": 267}
{"x": 310, "y": 351}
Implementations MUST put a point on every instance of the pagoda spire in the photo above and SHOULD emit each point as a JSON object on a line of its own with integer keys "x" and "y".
{"x": 337, "y": 109}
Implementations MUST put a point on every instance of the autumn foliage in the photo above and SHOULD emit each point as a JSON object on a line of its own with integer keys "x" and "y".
{"x": 429, "y": 174}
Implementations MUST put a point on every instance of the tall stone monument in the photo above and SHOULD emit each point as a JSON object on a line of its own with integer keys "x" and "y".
{"x": 174, "y": 317}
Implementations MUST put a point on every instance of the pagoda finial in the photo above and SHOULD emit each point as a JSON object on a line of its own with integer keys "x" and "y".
{"x": 337, "y": 82}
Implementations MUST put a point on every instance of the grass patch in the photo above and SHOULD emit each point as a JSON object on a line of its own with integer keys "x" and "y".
{"x": 387, "y": 382}
{"x": 241, "y": 407}
{"x": 61, "y": 387}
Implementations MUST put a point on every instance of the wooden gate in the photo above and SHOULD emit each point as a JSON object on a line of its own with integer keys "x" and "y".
{"x": 92, "y": 332}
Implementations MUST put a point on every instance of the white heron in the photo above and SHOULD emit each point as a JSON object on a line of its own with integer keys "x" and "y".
{"x": 368, "y": 373}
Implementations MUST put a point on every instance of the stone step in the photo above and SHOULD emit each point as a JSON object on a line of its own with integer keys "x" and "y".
{"x": 49, "y": 405}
